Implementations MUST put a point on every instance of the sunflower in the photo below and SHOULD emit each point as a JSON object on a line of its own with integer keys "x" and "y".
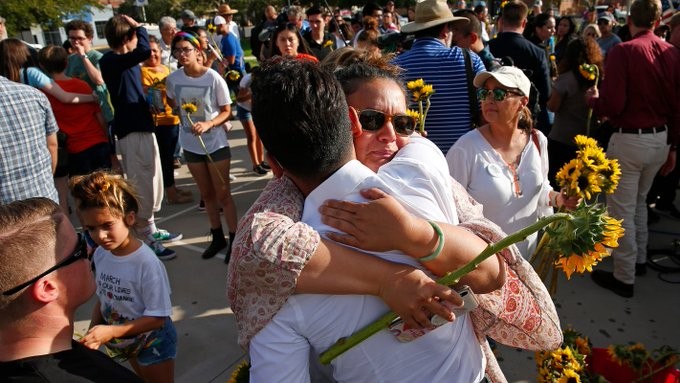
{"x": 189, "y": 107}
{"x": 241, "y": 373}
{"x": 414, "y": 114}
{"x": 612, "y": 175}
{"x": 593, "y": 158}
{"x": 415, "y": 84}
{"x": 567, "y": 177}
{"x": 585, "y": 141}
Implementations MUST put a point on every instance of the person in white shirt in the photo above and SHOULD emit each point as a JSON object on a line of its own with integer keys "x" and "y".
{"x": 319, "y": 121}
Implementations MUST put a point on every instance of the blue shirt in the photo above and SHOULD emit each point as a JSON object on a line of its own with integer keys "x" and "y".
{"x": 123, "y": 77}
{"x": 26, "y": 120}
{"x": 232, "y": 47}
{"x": 444, "y": 69}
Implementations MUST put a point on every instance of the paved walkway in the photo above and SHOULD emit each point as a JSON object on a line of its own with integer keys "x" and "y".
{"x": 207, "y": 350}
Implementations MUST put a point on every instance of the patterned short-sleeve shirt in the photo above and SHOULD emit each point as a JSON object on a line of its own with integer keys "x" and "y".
{"x": 26, "y": 120}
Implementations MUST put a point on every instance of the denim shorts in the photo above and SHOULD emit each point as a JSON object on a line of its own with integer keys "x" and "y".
{"x": 243, "y": 113}
{"x": 161, "y": 345}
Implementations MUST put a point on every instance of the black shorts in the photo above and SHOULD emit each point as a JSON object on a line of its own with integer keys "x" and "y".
{"x": 218, "y": 155}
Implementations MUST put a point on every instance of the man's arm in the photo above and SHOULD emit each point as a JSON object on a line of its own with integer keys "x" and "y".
{"x": 92, "y": 71}
{"x": 52, "y": 147}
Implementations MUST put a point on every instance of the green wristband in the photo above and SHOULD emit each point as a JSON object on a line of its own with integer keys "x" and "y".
{"x": 440, "y": 245}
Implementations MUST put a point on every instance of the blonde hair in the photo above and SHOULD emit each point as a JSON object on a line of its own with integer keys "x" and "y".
{"x": 104, "y": 190}
{"x": 28, "y": 233}
{"x": 594, "y": 27}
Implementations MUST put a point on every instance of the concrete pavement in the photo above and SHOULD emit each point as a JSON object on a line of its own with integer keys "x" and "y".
{"x": 207, "y": 349}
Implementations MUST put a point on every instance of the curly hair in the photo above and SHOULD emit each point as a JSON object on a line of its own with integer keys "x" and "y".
{"x": 581, "y": 51}
{"x": 352, "y": 67}
{"x": 104, "y": 190}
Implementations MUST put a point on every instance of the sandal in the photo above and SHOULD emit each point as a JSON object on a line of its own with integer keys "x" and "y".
{"x": 180, "y": 199}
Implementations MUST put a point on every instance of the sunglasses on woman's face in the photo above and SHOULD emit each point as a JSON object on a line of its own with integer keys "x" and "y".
{"x": 499, "y": 94}
{"x": 372, "y": 120}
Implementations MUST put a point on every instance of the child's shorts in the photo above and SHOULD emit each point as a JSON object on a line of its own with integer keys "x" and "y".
{"x": 161, "y": 345}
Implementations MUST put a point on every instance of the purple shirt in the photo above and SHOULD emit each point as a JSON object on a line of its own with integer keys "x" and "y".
{"x": 641, "y": 87}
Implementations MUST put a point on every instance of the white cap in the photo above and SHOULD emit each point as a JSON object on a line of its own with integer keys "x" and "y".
{"x": 508, "y": 76}
{"x": 219, "y": 20}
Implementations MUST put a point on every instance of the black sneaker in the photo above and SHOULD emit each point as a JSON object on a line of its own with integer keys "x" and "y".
{"x": 260, "y": 170}
{"x": 669, "y": 210}
{"x": 265, "y": 166}
{"x": 607, "y": 280}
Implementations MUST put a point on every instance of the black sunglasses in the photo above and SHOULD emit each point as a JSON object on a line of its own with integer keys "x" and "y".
{"x": 372, "y": 120}
{"x": 499, "y": 94}
{"x": 80, "y": 252}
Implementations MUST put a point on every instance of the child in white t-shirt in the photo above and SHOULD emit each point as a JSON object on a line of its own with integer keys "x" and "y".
{"x": 132, "y": 317}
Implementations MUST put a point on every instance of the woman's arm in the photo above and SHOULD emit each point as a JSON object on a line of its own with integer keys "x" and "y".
{"x": 365, "y": 226}
{"x": 200, "y": 127}
{"x": 409, "y": 292}
{"x": 100, "y": 334}
{"x": 60, "y": 94}
{"x": 554, "y": 101}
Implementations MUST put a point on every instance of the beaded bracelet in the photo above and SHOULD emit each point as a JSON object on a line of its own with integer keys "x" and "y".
{"x": 440, "y": 244}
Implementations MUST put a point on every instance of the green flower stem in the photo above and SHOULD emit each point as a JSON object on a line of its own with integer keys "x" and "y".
{"x": 427, "y": 109}
{"x": 590, "y": 110}
{"x": 422, "y": 117}
{"x": 205, "y": 149}
{"x": 344, "y": 344}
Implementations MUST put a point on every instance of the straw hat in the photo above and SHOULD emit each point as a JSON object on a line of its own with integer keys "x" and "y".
{"x": 225, "y": 9}
{"x": 430, "y": 13}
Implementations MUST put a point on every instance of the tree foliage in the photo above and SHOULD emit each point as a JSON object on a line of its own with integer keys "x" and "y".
{"x": 21, "y": 14}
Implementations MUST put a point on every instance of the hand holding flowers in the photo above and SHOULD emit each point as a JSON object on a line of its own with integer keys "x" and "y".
{"x": 199, "y": 128}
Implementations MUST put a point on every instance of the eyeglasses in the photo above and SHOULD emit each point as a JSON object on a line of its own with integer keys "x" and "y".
{"x": 77, "y": 38}
{"x": 80, "y": 252}
{"x": 372, "y": 120}
{"x": 181, "y": 51}
{"x": 499, "y": 94}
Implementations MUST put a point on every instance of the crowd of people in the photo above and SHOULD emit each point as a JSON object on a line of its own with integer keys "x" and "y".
{"x": 325, "y": 111}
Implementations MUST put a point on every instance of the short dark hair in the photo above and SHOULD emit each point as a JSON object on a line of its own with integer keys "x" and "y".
{"x": 472, "y": 26}
{"x": 514, "y": 13}
{"x": 117, "y": 30}
{"x": 301, "y": 115}
{"x": 53, "y": 59}
{"x": 370, "y": 8}
{"x": 313, "y": 11}
{"x": 644, "y": 13}
{"x": 76, "y": 25}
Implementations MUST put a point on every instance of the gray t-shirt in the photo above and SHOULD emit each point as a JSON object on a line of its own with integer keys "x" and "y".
{"x": 572, "y": 116}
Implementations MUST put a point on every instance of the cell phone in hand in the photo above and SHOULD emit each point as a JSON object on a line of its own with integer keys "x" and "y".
{"x": 405, "y": 333}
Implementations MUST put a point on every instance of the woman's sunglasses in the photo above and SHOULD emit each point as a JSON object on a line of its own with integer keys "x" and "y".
{"x": 372, "y": 120}
{"x": 499, "y": 94}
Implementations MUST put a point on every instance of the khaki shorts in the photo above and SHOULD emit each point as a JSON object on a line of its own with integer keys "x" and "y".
{"x": 142, "y": 166}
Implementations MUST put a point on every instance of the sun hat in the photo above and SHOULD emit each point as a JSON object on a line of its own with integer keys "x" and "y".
{"x": 430, "y": 13}
{"x": 188, "y": 14}
{"x": 219, "y": 20}
{"x": 225, "y": 9}
{"x": 607, "y": 16}
{"x": 508, "y": 76}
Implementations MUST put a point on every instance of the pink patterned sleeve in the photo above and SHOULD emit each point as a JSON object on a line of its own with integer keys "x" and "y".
{"x": 270, "y": 250}
{"x": 521, "y": 313}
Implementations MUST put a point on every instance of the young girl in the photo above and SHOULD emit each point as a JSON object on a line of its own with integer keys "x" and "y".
{"x": 207, "y": 93}
{"x": 132, "y": 316}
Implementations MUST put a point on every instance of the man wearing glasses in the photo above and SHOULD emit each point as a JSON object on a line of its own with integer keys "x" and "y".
{"x": 45, "y": 274}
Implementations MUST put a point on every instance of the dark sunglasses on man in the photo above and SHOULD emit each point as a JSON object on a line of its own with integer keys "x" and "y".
{"x": 372, "y": 120}
{"x": 80, "y": 252}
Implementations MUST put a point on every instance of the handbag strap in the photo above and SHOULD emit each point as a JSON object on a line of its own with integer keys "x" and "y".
{"x": 472, "y": 95}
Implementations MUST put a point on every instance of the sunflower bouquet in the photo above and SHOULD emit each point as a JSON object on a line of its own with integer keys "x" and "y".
{"x": 421, "y": 93}
{"x": 578, "y": 361}
{"x": 567, "y": 363}
{"x": 579, "y": 244}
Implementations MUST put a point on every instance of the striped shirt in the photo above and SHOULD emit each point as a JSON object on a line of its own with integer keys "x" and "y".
{"x": 26, "y": 120}
{"x": 444, "y": 69}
